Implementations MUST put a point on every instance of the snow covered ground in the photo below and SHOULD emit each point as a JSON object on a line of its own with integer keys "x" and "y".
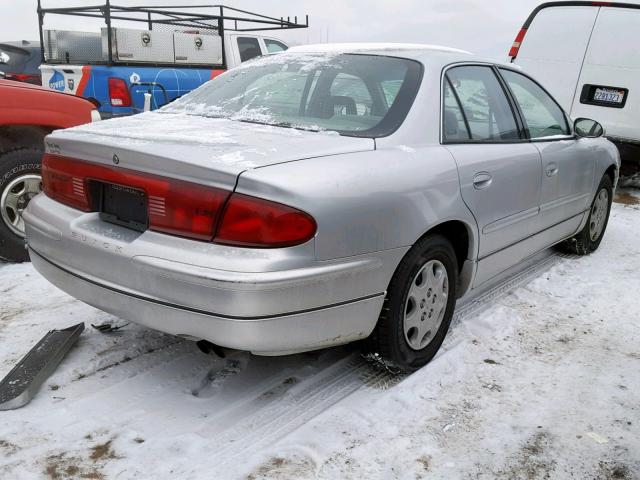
{"x": 539, "y": 378}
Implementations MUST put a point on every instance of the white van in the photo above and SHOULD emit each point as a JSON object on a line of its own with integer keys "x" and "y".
{"x": 587, "y": 54}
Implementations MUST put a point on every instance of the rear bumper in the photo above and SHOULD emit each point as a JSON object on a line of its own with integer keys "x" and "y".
{"x": 277, "y": 335}
{"x": 267, "y": 301}
{"x": 629, "y": 153}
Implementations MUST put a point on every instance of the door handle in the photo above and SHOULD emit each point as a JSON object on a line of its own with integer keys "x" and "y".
{"x": 482, "y": 180}
{"x": 551, "y": 170}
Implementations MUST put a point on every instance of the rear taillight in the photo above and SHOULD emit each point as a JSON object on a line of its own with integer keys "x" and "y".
{"x": 119, "y": 93}
{"x": 175, "y": 206}
{"x": 182, "y": 208}
{"x": 515, "y": 48}
{"x": 64, "y": 180}
{"x": 24, "y": 77}
{"x": 254, "y": 222}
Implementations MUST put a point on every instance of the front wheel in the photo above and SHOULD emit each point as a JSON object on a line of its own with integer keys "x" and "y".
{"x": 589, "y": 238}
{"x": 20, "y": 181}
{"x": 419, "y": 306}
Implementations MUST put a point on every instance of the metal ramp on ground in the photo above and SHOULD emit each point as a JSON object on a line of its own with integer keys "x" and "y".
{"x": 23, "y": 381}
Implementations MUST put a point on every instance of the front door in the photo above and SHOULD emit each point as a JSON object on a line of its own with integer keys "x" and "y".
{"x": 500, "y": 172}
{"x": 568, "y": 164}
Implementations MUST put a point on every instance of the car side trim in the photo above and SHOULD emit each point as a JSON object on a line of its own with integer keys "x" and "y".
{"x": 510, "y": 220}
{"x": 195, "y": 310}
{"x": 532, "y": 235}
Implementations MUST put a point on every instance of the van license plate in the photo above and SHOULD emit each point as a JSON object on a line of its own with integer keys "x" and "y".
{"x": 608, "y": 95}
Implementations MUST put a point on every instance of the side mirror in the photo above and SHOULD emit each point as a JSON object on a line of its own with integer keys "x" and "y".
{"x": 587, "y": 128}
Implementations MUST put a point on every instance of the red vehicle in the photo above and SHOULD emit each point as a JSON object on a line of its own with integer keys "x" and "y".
{"x": 27, "y": 114}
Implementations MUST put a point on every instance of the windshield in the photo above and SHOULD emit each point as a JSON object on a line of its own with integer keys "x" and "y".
{"x": 359, "y": 95}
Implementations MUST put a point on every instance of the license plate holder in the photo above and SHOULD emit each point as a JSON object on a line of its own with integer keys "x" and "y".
{"x": 121, "y": 205}
{"x": 604, "y": 96}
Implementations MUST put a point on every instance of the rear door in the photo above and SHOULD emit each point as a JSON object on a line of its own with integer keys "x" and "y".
{"x": 245, "y": 47}
{"x": 554, "y": 47}
{"x": 609, "y": 86}
{"x": 500, "y": 171}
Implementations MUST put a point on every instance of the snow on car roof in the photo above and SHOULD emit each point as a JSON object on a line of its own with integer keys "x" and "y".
{"x": 344, "y": 47}
{"x": 406, "y": 48}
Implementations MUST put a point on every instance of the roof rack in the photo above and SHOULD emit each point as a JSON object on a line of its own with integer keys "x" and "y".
{"x": 212, "y": 19}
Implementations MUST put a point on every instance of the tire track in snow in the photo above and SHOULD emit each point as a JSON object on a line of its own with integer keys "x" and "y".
{"x": 301, "y": 403}
{"x": 284, "y": 415}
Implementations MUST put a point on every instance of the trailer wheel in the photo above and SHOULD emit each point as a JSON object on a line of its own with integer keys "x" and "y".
{"x": 20, "y": 181}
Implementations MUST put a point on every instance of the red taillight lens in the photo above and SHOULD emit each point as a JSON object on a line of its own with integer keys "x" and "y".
{"x": 64, "y": 180}
{"x": 515, "y": 48}
{"x": 175, "y": 206}
{"x": 24, "y": 77}
{"x": 184, "y": 208}
{"x": 254, "y": 222}
{"x": 119, "y": 93}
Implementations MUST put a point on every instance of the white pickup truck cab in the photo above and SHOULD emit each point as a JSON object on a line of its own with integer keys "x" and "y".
{"x": 132, "y": 59}
{"x": 587, "y": 55}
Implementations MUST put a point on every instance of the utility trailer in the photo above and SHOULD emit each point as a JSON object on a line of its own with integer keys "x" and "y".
{"x": 135, "y": 58}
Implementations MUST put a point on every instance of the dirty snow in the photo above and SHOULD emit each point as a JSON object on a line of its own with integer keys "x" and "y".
{"x": 542, "y": 382}
{"x": 632, "y": 181}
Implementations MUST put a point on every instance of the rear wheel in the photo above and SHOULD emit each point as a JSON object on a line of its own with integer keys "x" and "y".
{"x": 20, "y": 181}
{"x": 589, "y": 238}
{"x": 419, "y": 305}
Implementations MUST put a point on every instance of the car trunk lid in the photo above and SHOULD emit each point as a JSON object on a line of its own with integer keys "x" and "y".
{"x": 209, "y": 151}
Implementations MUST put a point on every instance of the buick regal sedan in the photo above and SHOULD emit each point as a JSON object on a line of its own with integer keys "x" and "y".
{"x": 321, "y": 196}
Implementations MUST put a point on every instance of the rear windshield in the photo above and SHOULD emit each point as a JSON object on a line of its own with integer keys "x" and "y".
{"x": 357, "y": 95}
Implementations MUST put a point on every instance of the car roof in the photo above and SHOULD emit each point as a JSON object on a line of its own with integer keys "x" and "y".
{"x": 422, "y": 52}
{"x": 27, "y": 44}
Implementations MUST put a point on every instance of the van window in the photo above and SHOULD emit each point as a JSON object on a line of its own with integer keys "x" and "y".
{"x": 249, "y": 48}
{"x": 484, "y": 104}
{"x": 274, "y": 46}
{"x": 542, "y": 115}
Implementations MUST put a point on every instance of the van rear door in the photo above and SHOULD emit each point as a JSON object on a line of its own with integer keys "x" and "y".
{"x": 609, "y": 86}
{"x": 554, "y": 48}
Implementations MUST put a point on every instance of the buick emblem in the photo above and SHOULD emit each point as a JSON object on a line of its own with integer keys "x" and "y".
{"x": 116, "y": 160}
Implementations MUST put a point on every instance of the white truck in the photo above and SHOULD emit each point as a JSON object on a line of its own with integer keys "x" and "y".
{"x": 587, "y": 54}
{"x": 128, "y": 59}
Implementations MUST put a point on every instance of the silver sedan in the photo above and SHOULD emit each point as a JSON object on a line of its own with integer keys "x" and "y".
{"x": 321, "y": 196}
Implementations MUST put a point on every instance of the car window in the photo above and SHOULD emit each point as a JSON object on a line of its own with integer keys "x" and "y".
{"x": 357, "y": 95}
{"x": 280, "y": 92}
{"x": 542, "y": 115}
{"x": 350, "y": 95}
{"x": 484, "y": 104}
{"x": 274, "y": 46}
{"x": 454, "y": 127}
{"x": 249, "y": 48}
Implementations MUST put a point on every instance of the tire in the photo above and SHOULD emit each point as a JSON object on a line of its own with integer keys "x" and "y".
{"x": 19, "y": 172}
{"x": 408, "y": 347}
{"x": 589, "y": 238}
